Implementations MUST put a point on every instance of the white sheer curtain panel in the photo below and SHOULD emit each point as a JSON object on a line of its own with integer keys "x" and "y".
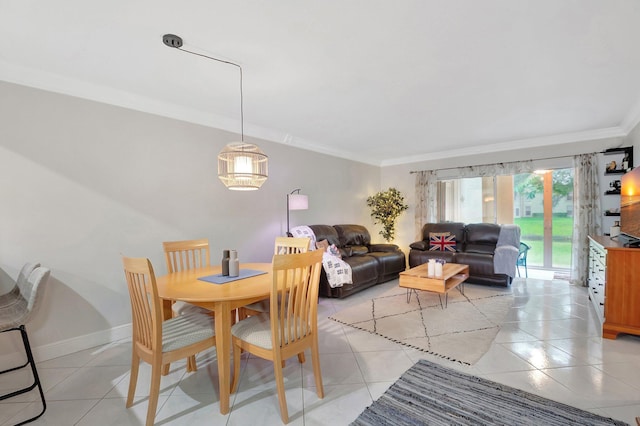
{"x": 426, "y": 200}
{"x": 587, "y": 214}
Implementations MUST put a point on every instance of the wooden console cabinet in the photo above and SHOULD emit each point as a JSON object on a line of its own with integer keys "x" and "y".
{"x": 614, "y": 285}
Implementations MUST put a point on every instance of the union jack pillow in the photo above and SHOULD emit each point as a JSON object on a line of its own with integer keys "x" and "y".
{"x": 442, "y": 241}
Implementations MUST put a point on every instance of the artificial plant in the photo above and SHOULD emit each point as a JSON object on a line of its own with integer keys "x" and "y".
{"x": 386, "y": 206}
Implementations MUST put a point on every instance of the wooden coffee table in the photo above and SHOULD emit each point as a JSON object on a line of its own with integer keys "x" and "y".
{"x": 453, "y": 275}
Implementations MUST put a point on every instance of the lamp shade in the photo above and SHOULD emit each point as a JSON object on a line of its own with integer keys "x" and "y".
{"x": 298, "y": 202}
{"x": 242, "y": 166}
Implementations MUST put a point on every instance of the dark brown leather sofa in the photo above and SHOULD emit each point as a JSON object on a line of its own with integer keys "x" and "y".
{"x": 371, "y": 264}
{"x": 475, "y": 246}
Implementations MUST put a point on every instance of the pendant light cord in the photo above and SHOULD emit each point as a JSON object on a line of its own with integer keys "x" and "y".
{"x": 241, "y": 94}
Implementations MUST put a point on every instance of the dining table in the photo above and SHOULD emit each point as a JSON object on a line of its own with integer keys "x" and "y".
{"x": 223, "y": 300}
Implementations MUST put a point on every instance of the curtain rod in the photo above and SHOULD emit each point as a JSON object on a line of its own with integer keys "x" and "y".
{"x": 502, "y": 162}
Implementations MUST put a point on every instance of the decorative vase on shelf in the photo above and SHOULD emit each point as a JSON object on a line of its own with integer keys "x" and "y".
{"x": 225, "y": 263}
{"x": 614, "y": 231}
{"x": 234, "y": 264}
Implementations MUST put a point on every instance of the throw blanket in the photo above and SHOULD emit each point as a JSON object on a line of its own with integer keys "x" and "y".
{"x": 507, "y": 248}
{"x": 338, "y": 271}
{"x": 304, "y": 232}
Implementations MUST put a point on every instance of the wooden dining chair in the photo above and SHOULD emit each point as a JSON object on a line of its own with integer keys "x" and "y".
{"x": 283, "y": 245}
{"x": 155, "y": 341}
{"x": 290, "y": 327}
{"x": 185, "y": 255}
{"x": 181, "y": 256}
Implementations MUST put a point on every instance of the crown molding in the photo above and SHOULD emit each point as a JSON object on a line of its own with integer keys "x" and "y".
{"x": 59, "y": 84}
{"x": 610, "y": 132}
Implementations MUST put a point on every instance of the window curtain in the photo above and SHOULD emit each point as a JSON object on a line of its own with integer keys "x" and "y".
{"x": 587, "y": 214}
{"x": 426, "y": 200}
{"x": 498, "y": 169}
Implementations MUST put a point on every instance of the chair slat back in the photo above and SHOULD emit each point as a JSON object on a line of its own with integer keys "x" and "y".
{"x": 146, "y": 310}
{"x": 290, "y": 245}
{"x": 296, "y": 279}
{"x": 188, "y": 254}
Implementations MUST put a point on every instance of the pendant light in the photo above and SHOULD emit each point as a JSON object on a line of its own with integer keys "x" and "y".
{"x": 242, "y": 166}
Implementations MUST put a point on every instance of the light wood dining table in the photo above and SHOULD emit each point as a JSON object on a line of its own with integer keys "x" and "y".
{"x": 222, "y": 299}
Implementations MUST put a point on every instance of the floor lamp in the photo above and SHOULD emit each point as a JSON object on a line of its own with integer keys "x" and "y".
{"x": 296, "y": 201}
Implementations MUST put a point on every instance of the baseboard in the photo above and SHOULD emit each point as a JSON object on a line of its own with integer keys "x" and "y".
{"x": 79, "y": 343}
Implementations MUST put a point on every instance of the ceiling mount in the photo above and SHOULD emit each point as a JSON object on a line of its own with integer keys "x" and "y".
{"x": 172, "y": 40}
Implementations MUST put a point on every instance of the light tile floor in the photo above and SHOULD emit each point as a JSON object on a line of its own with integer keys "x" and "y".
{"x": 551, "y": 346}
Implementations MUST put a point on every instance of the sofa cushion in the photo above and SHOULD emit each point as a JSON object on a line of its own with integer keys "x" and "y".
{"x": 326, "y": 232}
{"x": 345, "y": 252}
{"x": 389, "y": 262}
{"x": 418, "y": 257}
{"x": 384, "y": 247}
{"x": 442, "y": 241}
{"x": 353, "y": 235}
{"x": 358, "y": 250}
{"x": 364, "y": 269}
{"x": 454, "y": 228}
{"x": 420, "y": 245}
{"x": 479, "y": 263}
{"x": 482, "y": 237}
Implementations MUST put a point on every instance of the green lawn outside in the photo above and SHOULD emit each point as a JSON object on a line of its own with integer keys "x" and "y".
{"x": 531, "y": 233}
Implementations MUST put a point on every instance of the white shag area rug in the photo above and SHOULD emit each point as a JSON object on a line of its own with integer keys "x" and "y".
{"x": 462, "y": 331}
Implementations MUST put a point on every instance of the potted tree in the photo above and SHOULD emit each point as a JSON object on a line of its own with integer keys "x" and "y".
{"x": 386, "y": 206}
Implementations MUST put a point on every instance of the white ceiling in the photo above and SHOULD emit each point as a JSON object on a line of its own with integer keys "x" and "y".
{"x": 380, "y": 81}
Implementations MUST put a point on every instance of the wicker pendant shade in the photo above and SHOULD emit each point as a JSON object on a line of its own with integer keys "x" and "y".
{"x": 242, "y": 166}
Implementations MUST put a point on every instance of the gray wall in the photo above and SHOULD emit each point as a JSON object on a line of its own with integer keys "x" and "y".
{"x": 83, "y": 183}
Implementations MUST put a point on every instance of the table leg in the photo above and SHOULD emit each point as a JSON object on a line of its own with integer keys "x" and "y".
{"x": 223, "y": 350}
{"x": 167, "y": 313}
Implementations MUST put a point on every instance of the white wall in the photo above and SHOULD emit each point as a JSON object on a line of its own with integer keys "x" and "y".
{"x": 83, "y": 183}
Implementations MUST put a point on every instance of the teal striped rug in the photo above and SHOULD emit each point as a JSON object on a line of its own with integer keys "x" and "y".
{"x": 430, "y": 394}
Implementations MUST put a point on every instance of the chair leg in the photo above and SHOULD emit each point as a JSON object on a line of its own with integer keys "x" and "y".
{"x": 236, "y": 368}
{"x": 315, "y": 360}
{"x": 301, "y": 358}
{"x": 133, "y": 377}
{"x": 154, "y": 392}
{"x": 36, "y": 379}
{"x": 277, "y": 370}
{"x": 191, "y": 364}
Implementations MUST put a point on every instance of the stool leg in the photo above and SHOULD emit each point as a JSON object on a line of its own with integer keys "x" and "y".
{"x": 34, "y": 371}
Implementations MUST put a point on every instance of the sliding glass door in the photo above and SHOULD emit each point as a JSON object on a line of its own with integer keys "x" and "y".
{"x": 540, "y": 203}
{"x": 544, "y": 212}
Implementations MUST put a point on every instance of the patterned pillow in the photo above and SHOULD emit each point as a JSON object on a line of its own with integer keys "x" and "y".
{"x": 442, "y": 241}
